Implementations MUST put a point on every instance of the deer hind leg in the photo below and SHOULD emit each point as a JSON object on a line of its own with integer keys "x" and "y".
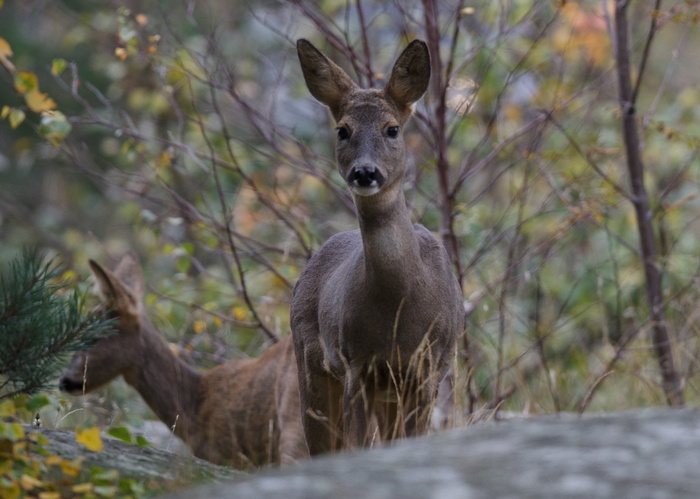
{"x": 292, "y": 441}
{"x": 320, "y": 397}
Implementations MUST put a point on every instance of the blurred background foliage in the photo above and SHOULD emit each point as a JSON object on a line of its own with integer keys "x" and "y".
{"x": 189, "y": 137}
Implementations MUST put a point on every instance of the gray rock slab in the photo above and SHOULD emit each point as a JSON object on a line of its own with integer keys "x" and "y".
{"x": 137, "y": 462}
{"x": 650, "y": 453}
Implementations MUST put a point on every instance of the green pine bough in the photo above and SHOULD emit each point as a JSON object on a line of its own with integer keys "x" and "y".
{"x": 41, "y": 322}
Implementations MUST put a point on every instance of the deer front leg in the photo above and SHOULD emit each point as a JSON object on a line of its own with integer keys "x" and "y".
{"x": 358, "y": 406}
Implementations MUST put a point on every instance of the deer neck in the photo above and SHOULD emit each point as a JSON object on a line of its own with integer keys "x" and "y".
{"x": 390, "y": 247}
{"x": 168, "y": 385}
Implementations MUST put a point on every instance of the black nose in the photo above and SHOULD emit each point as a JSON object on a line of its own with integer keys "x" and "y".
{"x": 68, "y": 385}
{"x": 366, "y": 177}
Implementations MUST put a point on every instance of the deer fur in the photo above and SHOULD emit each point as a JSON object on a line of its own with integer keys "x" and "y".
{"x": 377, "y": 311}
{"x": 244, "y": 413}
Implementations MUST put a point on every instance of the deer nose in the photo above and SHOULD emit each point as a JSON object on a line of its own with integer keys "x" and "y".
{"x": 366, "y": 177}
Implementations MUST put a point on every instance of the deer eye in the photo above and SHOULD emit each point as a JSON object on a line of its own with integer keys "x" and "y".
{"x": 343, "y": 133}
{"x": 392, "y": 131}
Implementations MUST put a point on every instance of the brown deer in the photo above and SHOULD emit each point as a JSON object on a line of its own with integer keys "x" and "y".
{"x": 377, "y": 311}
{"x": 244, "y": 413}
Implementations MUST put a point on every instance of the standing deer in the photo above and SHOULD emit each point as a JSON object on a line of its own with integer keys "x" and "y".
{"x": 244, "y": 413}
{"x": 377, "y": 311}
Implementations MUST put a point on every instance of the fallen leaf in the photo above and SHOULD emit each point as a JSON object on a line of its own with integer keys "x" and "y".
{"x": 90, "y": 438}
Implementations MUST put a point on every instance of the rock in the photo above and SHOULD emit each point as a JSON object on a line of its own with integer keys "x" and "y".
{"x": 140, "y": 463}
{"x": 639, "y": 453}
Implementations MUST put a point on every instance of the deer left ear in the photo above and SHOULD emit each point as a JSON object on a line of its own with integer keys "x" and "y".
{"x": 410, "y": 76}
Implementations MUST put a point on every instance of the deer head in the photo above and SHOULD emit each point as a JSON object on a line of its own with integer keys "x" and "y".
{"x": 119, "y": 354}
{"x": 370, "y": 149}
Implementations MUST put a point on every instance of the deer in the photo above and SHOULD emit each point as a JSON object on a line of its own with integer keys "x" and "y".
{"x": 243, "y": 413}
{"x": 376, "y": 312}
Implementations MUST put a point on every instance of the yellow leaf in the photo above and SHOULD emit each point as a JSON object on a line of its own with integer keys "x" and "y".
{"x": 53, "y": 460}
{"x": 217, "y": 322}
{"x": 82, "y": 488}
{"x": 38, "y": 101}
{"x": 5, "y": 52}
{"x": 90, "y": 438}
{"x": 239, "y": 313}
{"x": 164, "y": 160}
{"x": 199, "y": 326}
{"x": 26, "y": 81}
{"x": 7, "y": 407}
{"x": 10, "y": 491}
{"x": 29, "y": 482}
{"x": 49, "y": 495}
{"x": 71, "y": 468}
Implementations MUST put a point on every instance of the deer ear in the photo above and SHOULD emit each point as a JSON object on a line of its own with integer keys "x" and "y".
{"x": 327, "y": 82}
{"x": 113, "y": 291}
{"x": 410, "y": 76}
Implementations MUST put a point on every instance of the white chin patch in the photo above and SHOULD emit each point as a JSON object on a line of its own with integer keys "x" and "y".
{"x": 365, "y": 191}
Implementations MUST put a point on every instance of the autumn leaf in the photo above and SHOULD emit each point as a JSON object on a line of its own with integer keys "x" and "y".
{"x": 239, "y": 313}
{"x": 199, "y": 326}
{"x": 53, "y": 460}
{"x": 16, "y": 117}
{"x": 29, "y": 482}
{"x": 71, "y": 468}
{"x": 7, "y": 407}
{"x": 38, "y": 101}
{"x": 5, "y": 52}
{"x": 49, "y": 495}
{"x": 90, "y": 438}
{"x": 83, "y": 488}
{"x": 26, "y": 81}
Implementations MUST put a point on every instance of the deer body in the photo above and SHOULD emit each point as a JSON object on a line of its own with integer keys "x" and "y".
{"x": 377, "y": 311}
{"x": 243, "y": 413}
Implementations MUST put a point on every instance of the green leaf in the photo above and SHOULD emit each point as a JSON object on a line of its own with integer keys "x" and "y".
{"x": 16, "y": 117}
{"x": 142, "y": 442}
{"x": 58, "y": 66}
{"x": 99, "y": 474}
{"x": 182, "y": 264}
{"x": 36, "y": 403}
{"x": 122, "y": 433}
{"x": 54, "y": 127}
{"x": 105, "y": 490}
{"x": 26, "y": 81}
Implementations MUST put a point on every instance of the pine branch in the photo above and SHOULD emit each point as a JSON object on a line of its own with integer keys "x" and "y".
{"x": 41, "y": 322}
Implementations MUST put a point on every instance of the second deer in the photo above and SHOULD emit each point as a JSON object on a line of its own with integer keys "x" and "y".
{"x": 377, "y": 311}
{"x": 244, "y": 413}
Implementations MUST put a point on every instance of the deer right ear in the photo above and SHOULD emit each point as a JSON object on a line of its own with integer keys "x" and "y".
{"x": 327, "y": 82}
{"x": 129, "y": 272}
{"x": 113, "y": 291}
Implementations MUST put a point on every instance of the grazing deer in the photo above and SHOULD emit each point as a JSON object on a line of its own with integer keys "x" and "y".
{"x": 244, "y": 413}
{"x": 377, "y": 311}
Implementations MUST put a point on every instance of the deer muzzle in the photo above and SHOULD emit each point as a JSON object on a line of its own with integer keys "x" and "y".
{"x": 364, "y": 177}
